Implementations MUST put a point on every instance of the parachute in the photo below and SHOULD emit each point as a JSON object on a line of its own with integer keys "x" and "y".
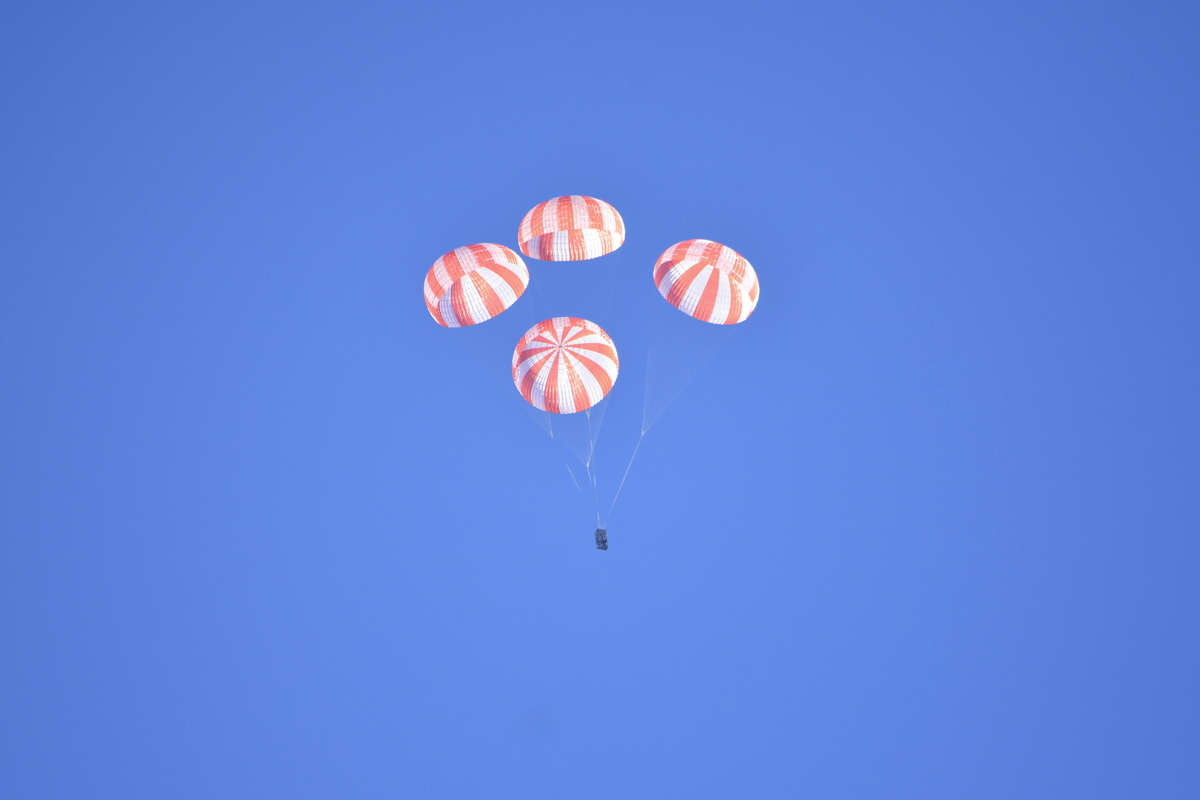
{"x": 472, "y": 284}
{"x": 571, "y": 228}
{"x": 564, "y": 365}
{"x": 708, "y": 281}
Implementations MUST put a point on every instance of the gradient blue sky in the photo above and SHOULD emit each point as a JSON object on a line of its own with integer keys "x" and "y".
{"x": 927, "y": 527}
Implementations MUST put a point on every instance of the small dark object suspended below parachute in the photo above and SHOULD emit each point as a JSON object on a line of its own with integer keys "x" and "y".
{"x": 601, "y": 539}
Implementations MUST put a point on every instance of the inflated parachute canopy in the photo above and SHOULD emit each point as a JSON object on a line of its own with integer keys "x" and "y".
{"x": 472, "y": 284}
{"x": 708, "y": 281}
{"x": 571, "y": 228}
{"x": 564, "y": 365}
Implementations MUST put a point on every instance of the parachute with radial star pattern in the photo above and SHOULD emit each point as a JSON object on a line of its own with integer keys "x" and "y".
{"x": 564, "y": 365}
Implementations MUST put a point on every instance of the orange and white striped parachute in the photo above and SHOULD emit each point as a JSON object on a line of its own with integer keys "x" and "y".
{"x": 571, "y": 228}
{"x": 708, "y": 281}
{"x": 472, "y": 284}
{"x": 565, "y": 364}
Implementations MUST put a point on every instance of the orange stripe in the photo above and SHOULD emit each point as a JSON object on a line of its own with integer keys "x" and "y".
{"x": 708, "y": 298}
{"x": 454, "y": 267}
{"x": 582, "y": 331}
{"x": 661, "y": 271}
{"x": 458, "y": 305}
{"x": 596, "y": 347}
{"x": 735, "y": 303}
{"x": 565, "y": 220}
{"x": 595, "y": 214}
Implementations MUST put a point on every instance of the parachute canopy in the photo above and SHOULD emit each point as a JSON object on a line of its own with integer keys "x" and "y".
{"x": 564, "y": 365}
{"x": 472, "y": 284}
{"x": 708, "y": 281}
{"x": 571, "y": 228}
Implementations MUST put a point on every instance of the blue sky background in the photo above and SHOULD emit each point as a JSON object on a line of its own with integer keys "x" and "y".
{"x": 926, "y": 527}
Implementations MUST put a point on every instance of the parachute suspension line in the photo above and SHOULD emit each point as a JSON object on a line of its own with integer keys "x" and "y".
{"x": 505, "y": 387}
{"x": 596, "y": 501}
{"x": 591, "y": 442}
{"x": 567, "y": 463}
{"x": 636, "y": 447}
{"x": 587, "y": 464}
{"x": 595, "y": 420}
{"x": 571, "y": 472}
{"x": 621, "y": 486}
{"x": 716, "y": 344}
{"x": 646, "y": 392}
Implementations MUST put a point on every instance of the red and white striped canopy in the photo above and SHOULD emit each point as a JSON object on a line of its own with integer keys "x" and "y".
{"x": 474, "y": 283}
{"x": 708, "y": 281}
{"x": 571, "y": 228}
{"x": 565, "y": 364}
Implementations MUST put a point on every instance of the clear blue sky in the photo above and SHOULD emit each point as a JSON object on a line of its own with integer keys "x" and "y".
{"x": 927, "y": 527}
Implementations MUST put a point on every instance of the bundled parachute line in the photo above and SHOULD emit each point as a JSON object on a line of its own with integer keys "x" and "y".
{"x": 565, "y": 367}
{"x": 579, "y": 445}
{"x": 565, "y": 364}
{"x": 624, "y": 476}
{"x": 674, "y": 358}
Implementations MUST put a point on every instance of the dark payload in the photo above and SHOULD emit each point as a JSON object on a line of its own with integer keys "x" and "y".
{"x": 601, "y": 539}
